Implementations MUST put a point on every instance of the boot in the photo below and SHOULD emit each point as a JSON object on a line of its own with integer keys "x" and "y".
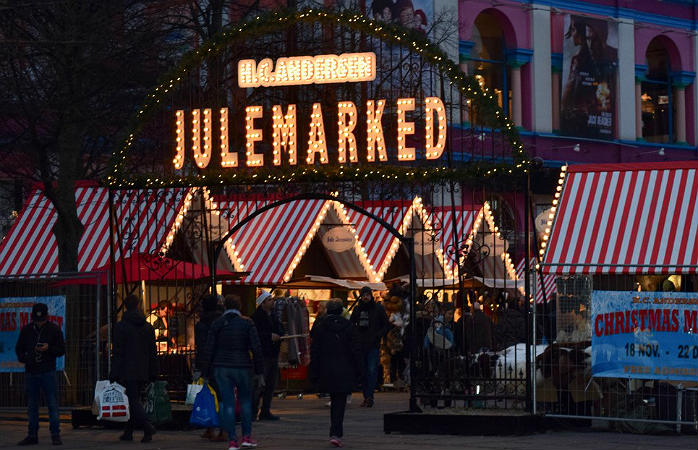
{"x": 148, "y": 432}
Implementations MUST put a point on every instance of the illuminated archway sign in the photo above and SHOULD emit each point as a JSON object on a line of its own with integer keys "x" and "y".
{"x": 303, "y": 70}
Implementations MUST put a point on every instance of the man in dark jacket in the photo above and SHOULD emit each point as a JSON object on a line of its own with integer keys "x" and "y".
{"x": 209, "y": 313}
{"x": 372, "y": 324}
{"x": 479, "y": 330}
{"x": 39, "y": 344}
{"x": 134, "y": 363}
{"x": 227, "y": 358}
{"x": 270, "y": 330}
{"x": 335, "y": 363}
{"x": 511, "y": 328}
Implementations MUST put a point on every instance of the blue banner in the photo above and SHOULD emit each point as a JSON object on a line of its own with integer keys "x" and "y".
{"x": 15, "y": 312}
{"x": 646, "y": 335}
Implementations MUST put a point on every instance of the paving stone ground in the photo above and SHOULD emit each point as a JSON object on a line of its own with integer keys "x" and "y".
{"x": 304, "y": 425}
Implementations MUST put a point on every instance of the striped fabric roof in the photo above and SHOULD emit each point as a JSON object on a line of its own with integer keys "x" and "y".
{"x": 377, "y": 240}
{"x": 268, "y": 244}
{"x": 442, "y": 221}
{"x": 346, "y": 263}
{"x": 145, "y": 216}
{"x": 547, "y": 281}
{"x": 624, "y": 218}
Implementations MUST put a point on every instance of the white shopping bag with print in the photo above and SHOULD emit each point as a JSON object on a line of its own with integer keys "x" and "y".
{"x": 113, "y": 404}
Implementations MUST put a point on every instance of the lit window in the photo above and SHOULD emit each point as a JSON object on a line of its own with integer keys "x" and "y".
{"x": 657, "y": 103}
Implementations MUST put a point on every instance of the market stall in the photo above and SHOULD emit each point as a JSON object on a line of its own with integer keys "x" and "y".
{"x": 621, "y": 241}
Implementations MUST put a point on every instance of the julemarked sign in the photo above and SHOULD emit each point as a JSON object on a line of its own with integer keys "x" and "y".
{"x": 647, "y": 335}
{"x": 202, "y": 131}
{"x": 15, "y": 312}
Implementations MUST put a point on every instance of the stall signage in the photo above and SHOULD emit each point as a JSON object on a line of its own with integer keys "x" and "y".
{"x": 15, "y": 312}
{"x": 646, "y": 335}
{"x": 202, "y": 131}
{"x": 307, "y": 70}
{"x": 338, "y": 239}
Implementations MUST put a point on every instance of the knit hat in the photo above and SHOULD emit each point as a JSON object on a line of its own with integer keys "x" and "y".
{"x": 366, "y": 290}
{"x": 263, "y": 296}
{"x": 39, "y": 311}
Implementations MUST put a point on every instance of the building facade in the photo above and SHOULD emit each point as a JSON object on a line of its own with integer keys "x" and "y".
{"x": 589, "y": 81}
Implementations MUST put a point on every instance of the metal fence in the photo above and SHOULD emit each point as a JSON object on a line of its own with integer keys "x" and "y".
{"x": 86, "y": 334}
{"x": 564, "y": 386}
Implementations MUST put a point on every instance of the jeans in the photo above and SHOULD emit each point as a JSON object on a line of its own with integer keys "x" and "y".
{"x": 371, "y": 359}
{"x": 137, "y": 416}
{"x": 271, "y": 369}
{"x": 227, "y": 379}
{"x": 338, "y": 403}
{"x": 34, "y": 383}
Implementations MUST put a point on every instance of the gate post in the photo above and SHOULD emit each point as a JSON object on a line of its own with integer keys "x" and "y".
{"x": 527, "y": 287}
{"x": 409, "y": 243}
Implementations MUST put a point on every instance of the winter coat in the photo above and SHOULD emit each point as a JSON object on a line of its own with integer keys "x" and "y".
{"x": 511, "y": 328}
{"x": 135, "y": 355}
{"x": 201, "y": 334}
{"x": 229, "y": 342}
{"x": 479, "y": 332}
{"x": 371, "y": 322}
{"x": 335, "y": 355}
{"x": 29, "y": 336}
{"x": 267, "y": 324}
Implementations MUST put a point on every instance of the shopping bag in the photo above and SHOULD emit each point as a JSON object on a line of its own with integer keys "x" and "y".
{"x": 192, "y": 390}
{"x": 157, "y": 403}
{"x": 99, "y": 387}
{"x": 113, "y": 403}
{"x": 205, "y": 410}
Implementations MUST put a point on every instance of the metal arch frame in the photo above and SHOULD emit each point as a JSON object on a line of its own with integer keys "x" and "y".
{"x": 407, "y": 241}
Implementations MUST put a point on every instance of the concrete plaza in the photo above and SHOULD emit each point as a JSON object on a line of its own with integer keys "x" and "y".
{"x": 305, "y": 424}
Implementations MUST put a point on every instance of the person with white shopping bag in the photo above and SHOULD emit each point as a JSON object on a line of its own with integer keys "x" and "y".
{"x": 134, "y": 363}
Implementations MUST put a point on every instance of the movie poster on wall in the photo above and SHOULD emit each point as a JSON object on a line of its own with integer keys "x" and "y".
{"x": 589, "y": 67}
{"x": 413, "y": 14}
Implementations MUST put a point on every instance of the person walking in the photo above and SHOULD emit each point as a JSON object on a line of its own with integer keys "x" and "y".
{"x": 336, "y": 363}
{"x": 270, "y": 330}
{"x": 209, "y": 313}
{"x": 134, "y": 363}
{"x": 372, "y": 324}
{"x": 227, "y": 358}
{"x": 39, "y": 344}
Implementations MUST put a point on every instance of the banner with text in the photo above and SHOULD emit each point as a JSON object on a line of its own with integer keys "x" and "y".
{"x": 15, "y": 312}
{"x": 647, "y": 335}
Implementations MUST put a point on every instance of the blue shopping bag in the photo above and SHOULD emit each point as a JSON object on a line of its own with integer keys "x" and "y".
{"x": 204, "y": 412}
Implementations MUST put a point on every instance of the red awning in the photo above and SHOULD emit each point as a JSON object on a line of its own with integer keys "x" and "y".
{"x": 546, "y": 282}
{"x": 154, "y": 268}
{"x": 626, "y": 218}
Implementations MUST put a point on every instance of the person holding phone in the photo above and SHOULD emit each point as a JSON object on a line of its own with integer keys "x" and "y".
{"x": 39, "y": 344}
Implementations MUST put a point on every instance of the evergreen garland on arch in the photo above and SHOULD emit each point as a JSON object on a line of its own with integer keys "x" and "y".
{"x": 279, "y": 20}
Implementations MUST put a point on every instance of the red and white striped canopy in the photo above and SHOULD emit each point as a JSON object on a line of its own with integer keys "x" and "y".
{"x": 145, "y": 218}
{"x": 268, "y": 245}
{"x": 547, "y": 282}
{"x": 376, "y": 239}
{"x": 626, "y": 218}
{"x": 442, "y": 219}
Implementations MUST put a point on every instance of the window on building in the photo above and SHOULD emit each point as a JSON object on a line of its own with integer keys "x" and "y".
{"x": 657, "y": 123}
{"x": 488, "y": 58}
